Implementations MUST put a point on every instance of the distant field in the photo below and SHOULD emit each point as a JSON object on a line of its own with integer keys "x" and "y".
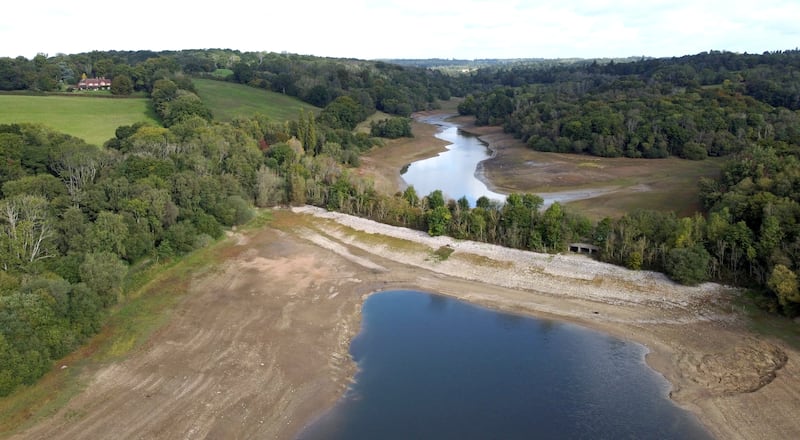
{"x": 92, "y": 119}
{"x": 222, "y": 73}
{"x": 229, "y": 100}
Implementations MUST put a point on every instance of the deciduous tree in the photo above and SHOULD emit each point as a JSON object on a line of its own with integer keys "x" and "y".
{"x": 121, "y": 85}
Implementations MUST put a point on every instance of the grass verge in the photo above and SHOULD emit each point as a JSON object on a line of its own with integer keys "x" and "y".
{"x": 480, "y": 260}
{"x": 442, "y": 253}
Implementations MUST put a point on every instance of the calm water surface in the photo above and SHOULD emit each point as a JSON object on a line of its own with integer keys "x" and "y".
{"x": 452, "y": 171}
{"x": 431, "y": 367}
{"x": 455, "y": 170}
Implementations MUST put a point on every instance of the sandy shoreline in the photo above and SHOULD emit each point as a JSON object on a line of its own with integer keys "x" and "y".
{"x": 259, "y": 346}
{"x": 739, "y": 385}
{"x": 384, "y": 164}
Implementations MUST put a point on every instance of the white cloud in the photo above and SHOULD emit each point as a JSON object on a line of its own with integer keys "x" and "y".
{"x": 409, "y": 28}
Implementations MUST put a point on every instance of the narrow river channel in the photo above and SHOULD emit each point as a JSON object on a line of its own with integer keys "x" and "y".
{"x": 457, "y": 171}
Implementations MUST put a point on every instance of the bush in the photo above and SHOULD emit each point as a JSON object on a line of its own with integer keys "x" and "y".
{"x": 688, "y": 265}
{"x": 391, "y": 128}
{"x": 694, "y": 151}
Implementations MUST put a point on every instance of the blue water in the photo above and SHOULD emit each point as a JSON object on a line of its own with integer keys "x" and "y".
{"x": 431, "y": 367}
{"x": 452, "y": 171}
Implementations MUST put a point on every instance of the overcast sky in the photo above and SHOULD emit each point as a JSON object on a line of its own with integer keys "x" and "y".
{"x": 370, "y": 29}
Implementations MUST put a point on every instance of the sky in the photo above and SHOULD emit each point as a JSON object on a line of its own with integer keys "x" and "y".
{"x": 374, "y": 29}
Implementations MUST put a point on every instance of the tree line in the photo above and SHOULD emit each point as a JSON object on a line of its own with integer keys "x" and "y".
{"x": 375, "y": 85}
{"x": 693, "y": 107}
{"x": 74, "y": 217}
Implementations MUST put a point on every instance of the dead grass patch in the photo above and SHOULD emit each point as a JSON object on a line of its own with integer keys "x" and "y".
{"x": 441, "y": 254}
{"x": 480, "y": 260}
{"x": 661, "y": 184}
{"x": 393, "y": 243}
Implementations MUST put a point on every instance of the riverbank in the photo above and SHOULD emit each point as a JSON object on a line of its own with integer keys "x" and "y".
{"x": 596, "y": 186}
{"x": 739, "y": 385}
{"x": 259, "y": 345}
{"x": 383, "y": 164}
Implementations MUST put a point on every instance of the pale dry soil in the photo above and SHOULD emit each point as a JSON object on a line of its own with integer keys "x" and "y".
{"x": 258, "y": 347}
{"x": 382, "y": 165}
{"x": 597, "y": 187}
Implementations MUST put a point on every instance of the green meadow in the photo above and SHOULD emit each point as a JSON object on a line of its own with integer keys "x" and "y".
{"x": 93, "y": 119}
{"x": 229, "y": 100}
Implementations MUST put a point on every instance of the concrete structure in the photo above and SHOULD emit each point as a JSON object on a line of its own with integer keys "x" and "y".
{"x": 583, "y": 248}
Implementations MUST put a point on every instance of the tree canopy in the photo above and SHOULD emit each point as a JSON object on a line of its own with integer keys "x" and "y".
{"x": 74, "y": 217}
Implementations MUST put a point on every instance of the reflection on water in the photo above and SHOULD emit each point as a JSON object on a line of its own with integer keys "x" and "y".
{"x": 431, "y": 367}
{"x": 455, "y": 171}
{"x": 452, "y": 171}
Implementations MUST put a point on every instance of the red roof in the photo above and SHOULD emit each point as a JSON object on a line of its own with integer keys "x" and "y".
{"x": 95, "y": 82}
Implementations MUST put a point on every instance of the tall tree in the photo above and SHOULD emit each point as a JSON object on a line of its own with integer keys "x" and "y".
{"x": 103, "y": 272}
{"x": 27, "y": 233}
{"x": 78, "y": 165}
{"x": 121, "y": 85}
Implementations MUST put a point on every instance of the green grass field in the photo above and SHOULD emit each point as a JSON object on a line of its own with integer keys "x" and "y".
{"x": 92, "y": 119}
{"x": 229, "y": 100}
{"x": 222, "y": 73}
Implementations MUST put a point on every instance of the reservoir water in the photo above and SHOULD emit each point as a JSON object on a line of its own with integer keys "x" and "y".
{"x": 453, "y": 171}
{"x": 431, "y": 367}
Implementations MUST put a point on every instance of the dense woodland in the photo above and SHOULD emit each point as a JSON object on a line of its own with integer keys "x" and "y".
{"x": 711, "y": 104}
{"x": 74, "y": 218}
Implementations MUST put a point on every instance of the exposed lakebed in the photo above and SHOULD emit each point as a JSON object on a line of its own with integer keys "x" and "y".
{"x": 457, "y": 171}
{"x": 434, "y": 367}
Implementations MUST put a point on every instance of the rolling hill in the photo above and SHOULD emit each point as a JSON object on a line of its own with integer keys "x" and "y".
{"x": 229, "y": 100}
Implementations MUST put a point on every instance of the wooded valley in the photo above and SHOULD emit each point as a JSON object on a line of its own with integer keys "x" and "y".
{"x": 76, "y": 219}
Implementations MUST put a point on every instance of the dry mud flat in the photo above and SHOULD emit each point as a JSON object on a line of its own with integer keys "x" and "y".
{"x": 259, "y": 346}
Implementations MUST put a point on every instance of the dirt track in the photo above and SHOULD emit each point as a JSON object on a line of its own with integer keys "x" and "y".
{"x": 258, "y": 347}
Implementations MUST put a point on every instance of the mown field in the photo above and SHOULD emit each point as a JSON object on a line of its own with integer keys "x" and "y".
{"x": 92, "y": 119}
{"x": 229, "y": 100}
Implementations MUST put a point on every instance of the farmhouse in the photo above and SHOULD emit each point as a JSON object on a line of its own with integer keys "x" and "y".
{"x": 94, "y": 84}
